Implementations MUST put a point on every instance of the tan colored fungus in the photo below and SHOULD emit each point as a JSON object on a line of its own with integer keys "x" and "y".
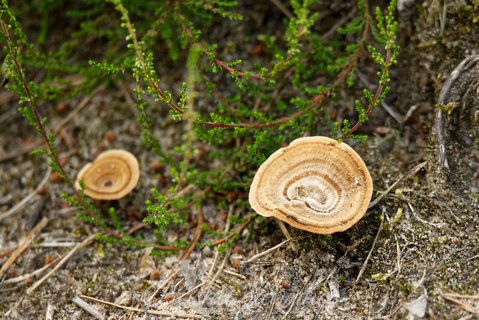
{"x": 316, "y": 184}
{"x": 111, "y": 176}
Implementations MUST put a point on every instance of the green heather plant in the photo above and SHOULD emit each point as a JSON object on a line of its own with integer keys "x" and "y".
{"x": 239, "y": 110}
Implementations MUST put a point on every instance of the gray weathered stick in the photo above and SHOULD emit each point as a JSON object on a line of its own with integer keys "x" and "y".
{"x": 88, "y": 308}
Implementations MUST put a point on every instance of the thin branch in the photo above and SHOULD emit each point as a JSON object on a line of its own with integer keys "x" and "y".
{"x": 261, "y": 254}
{"x": 235, "y": 231}
{"x": 38, "y": 119}
{"x": 224, "y": 65}
{"x": 343, "y": 74}
{"x": 197, "y": 236}
{"x": 314, "y": 102}
{"x": 375, "y": 99}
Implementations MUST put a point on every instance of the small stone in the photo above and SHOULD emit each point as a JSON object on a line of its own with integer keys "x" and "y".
{"x": 156, "y": 165}
{"x": 207, "y": 252}
{"x": 235, "y": 263}
{"x": 236, "y": 260}
{"x": 56, "y": 178}
{"x": 155, "y": 274}
{"x": 168, "y": 297}
{"x": 61, "y": 107}
{"x": 285, "y": 284}
{"x": 110, "y": 136}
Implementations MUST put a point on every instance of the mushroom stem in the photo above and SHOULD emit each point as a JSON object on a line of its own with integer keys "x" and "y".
{"x": 286, "y": 233}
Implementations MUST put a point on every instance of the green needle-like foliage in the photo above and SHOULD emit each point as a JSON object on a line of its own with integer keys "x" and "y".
{"x": 239, "y": 110}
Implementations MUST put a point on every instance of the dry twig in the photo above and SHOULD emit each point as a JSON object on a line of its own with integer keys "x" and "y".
{"x": 238, "y": 229}
{"x": 408, "y": 174}
{"x": 88, "y": 308}
{"x": 82, "y": 245}
{"x": 363, "y": 268}
{"x": 197, "y": 236}
{"x": 462, "y": 296}
{"x": 150, "y": 311}
{"x": 242, "y": 277}
{"x": 27, "y": 199}
{"x": 259, "y": 255}
{"x": 163, "y": 284}
{"x": 461, "y": 304}
{"x": 23, "y": 245}
{"x": 27, "y": 276}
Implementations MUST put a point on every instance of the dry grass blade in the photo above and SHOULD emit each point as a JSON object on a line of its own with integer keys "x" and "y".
{"x": 408, "y": 174}
{"x": 82, "y": 245}
{"x": 259, "y": 255}
{"x": 150, "y": 311}
{"x": 462, "y": 296}
{"x": 296, "y": 297}
{"x": 23, "y": 245}
{"x": 197, "y": 236}
{"x": 27, "y": 199}
{"x": 30, "y": 275}
{"x": 163, "y": 284}
{"x": 363, "y": 268}
{"x": 212, "y": 280}
{"x": 461, "y": 304}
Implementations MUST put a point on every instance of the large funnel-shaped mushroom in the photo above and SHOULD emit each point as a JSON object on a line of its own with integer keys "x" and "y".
{"x": 111, "y": 176}
{"x": 315, "y": 184}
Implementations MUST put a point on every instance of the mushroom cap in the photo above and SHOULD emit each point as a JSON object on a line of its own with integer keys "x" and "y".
{"x": 316, "y": 184}
{"x": 111, "y": 176}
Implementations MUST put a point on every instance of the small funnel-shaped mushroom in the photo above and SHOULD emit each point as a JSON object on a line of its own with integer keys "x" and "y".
{"x": 315, "y": 184}
{"x": 111, "y": 176}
